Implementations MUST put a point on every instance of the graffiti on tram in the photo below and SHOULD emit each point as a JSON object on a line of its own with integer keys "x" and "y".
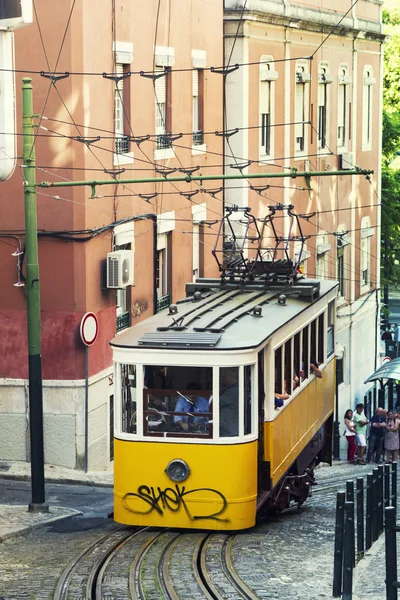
{"x": 149, "y": 499}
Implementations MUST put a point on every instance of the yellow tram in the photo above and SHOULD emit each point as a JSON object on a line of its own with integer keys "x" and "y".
{"x": 224, "y": 404}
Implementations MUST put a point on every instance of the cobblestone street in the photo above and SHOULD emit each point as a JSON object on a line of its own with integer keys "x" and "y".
{"x": 290, "y": 557}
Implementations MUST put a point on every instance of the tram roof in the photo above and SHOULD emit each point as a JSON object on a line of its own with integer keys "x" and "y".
{"x": 216, "y": 317}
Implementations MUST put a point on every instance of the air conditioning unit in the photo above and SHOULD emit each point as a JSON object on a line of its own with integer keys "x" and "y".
{"x": 346, "y": 161}
{"x": 120, "y": 269}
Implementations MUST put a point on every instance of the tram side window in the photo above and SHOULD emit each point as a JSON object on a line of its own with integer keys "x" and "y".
{"x": 330, "y": 338}
{"x": 128, "y": 398}
{"x": 177, "y": 401}
{"x": 296, "y": 360}
{"x": 288, "y": 381}
{"x": 321, "y": 339}
{"x": 247, "y": 400}
{"x": 313, "y": 343}
{"x": 305, "y": 370}
{"x": 229, "y": 402}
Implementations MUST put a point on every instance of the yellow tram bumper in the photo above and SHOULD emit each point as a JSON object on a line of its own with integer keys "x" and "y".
{"x": 220, "y": 492}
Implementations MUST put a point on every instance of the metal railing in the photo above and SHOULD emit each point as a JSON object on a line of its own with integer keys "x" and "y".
{"x": 163, "y": 302}
{"x": 198, "y": 138}
{"x": 381, "y": 492}
{"x": 163, "y": 141}
{"x": 122, "y": 321}
{"x": 122, "y": 144}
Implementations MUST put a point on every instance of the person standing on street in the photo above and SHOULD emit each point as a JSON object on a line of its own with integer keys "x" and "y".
{"x": 360, "y": 425}
{"x": 350, "y": 434}
{"x": 391, "y": 437}
{"x": 376, "y": 436}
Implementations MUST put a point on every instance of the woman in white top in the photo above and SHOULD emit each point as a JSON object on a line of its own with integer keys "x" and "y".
{"x": 350, "y": 434}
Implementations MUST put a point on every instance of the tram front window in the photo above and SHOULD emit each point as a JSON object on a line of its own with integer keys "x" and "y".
{"x": 128, "y": 397}
{"x": 177, "y": 401}
{"x": 229, "y": 402}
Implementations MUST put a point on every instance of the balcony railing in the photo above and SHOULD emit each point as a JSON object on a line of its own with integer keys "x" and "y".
{"x": 122, "y": 144}
{"x": 163, "y": 141}
{"x": 122, "y": 321}
{"x": 198, "y": 138}
{"x": 163, "y": 302}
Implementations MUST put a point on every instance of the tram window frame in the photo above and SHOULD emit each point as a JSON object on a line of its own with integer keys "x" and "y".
{"x": 167, "y": 423}
{"x": 128, "y": 414}
{"x": 297, "y": 356}
{"x": 321, "y": 338}
{"x": 278, "y": 371}
{"x": 230, "y": 408}
{"x": 288, "y": 368}
{"x": 314, "y": 340}
{"x": 330, "y": 335}
{"x": 306, "y": 352}
{"x": 248, "y": 375}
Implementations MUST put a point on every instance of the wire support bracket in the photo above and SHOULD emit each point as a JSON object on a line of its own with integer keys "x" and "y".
{"x": 113, "y": 173}
{"x": 117, "y": 78}
{"x": 85, "y": 140}
{"x": 227, "y": 132}
{"x": 224, "y": 70}
{"x": 148, "y": 197}
{"x": 152, "y": 75}
{"x": 139, "y": 139}
{"x": 53, "y": 77}
{"x": 189, "y": 195}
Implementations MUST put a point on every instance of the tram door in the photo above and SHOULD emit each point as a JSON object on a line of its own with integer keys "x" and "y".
{"x": 262, "y": 474}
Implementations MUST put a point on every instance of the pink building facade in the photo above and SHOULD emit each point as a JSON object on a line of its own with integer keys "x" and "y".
{"x": 136, "y": 76}
{"x": 309, "y": 98}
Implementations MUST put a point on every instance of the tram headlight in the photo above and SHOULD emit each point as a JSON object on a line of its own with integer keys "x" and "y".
{"x": 178, "y": 470}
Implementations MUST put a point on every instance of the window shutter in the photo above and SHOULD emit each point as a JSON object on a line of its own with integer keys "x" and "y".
{"x": 365, "y": 115}
{"x": 161, "y": 241}
{"x": 321, "y": 94}
{"x": 118, "y": 100}
{"x": 195, "y": 82}
{"x": 341, "y": 101}
{"x": 299, "y": 109}
{"x": 160, "y": 86}
{"x": 196, "y": 247}
{"x": 265, "y": 97}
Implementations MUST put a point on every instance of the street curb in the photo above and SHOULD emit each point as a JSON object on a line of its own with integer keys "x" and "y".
{"x": 66, "y": 480}
{"x": 25, "y": 529}
{"x": 363, "y": 567}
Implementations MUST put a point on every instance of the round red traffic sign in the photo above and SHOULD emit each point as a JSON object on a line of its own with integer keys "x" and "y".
{"x": 89, "y": 328}
{"x": 386, "y": 359}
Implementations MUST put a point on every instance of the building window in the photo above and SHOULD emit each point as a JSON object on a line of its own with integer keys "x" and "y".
{"x": 162, "y": 275}
{"x": 323, "y": 248}
{"x": 302, "y": 77}
{"x": 124, "y": 240}
{"x": 342, "y": 107}
{"x": 267, "y": 78}
{"x": 197, "y": 106}
{"x": 120, "y": 112}
{"x": 323, "y": 80}
{"x": 340, "y": 270}
{"x": 161, "y": 88}
{"x": 369, "y": 81}
{"x": 365, "y": 252}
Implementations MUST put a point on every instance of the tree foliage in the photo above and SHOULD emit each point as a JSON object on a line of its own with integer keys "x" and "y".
{"x": 391, "y": 150}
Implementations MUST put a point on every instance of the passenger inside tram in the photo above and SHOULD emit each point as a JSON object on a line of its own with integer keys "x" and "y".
{"x": 178, "y": 400}
{"x": 188, "y": 406}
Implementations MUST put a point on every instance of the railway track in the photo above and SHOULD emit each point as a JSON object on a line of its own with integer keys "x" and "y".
{"x": 149, "y": 564}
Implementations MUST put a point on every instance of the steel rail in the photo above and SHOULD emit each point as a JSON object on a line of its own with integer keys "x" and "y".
{"x": 63, "y": 584}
